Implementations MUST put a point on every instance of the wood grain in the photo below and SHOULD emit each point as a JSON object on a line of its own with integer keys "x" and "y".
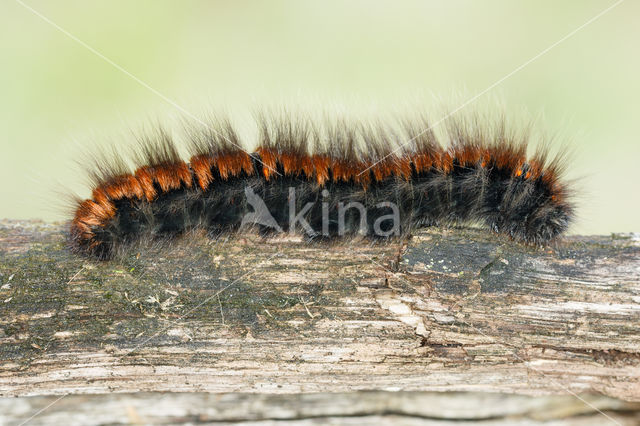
{"x": 351, "y": 408}
{"x": 449, "y": 310}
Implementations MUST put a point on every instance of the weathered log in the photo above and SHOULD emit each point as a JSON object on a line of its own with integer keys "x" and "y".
{"x": 447, "y": 310}
{"x": 351, "y": 408}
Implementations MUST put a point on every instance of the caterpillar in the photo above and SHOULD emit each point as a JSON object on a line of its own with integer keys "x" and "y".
{"x": 326, "y": 180}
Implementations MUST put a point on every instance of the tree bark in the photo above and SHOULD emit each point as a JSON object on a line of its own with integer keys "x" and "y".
{"x": 351, "y": 408}
{"x": 447, "y": 310}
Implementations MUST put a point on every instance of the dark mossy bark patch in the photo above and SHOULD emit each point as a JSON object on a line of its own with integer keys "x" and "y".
{"x": 231, "y": 283}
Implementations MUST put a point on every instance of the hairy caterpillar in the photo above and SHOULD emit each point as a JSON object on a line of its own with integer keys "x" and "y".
{"x": 340, "y": 178}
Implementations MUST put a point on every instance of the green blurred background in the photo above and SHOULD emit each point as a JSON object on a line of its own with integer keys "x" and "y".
{"x": 57, "y": 96}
